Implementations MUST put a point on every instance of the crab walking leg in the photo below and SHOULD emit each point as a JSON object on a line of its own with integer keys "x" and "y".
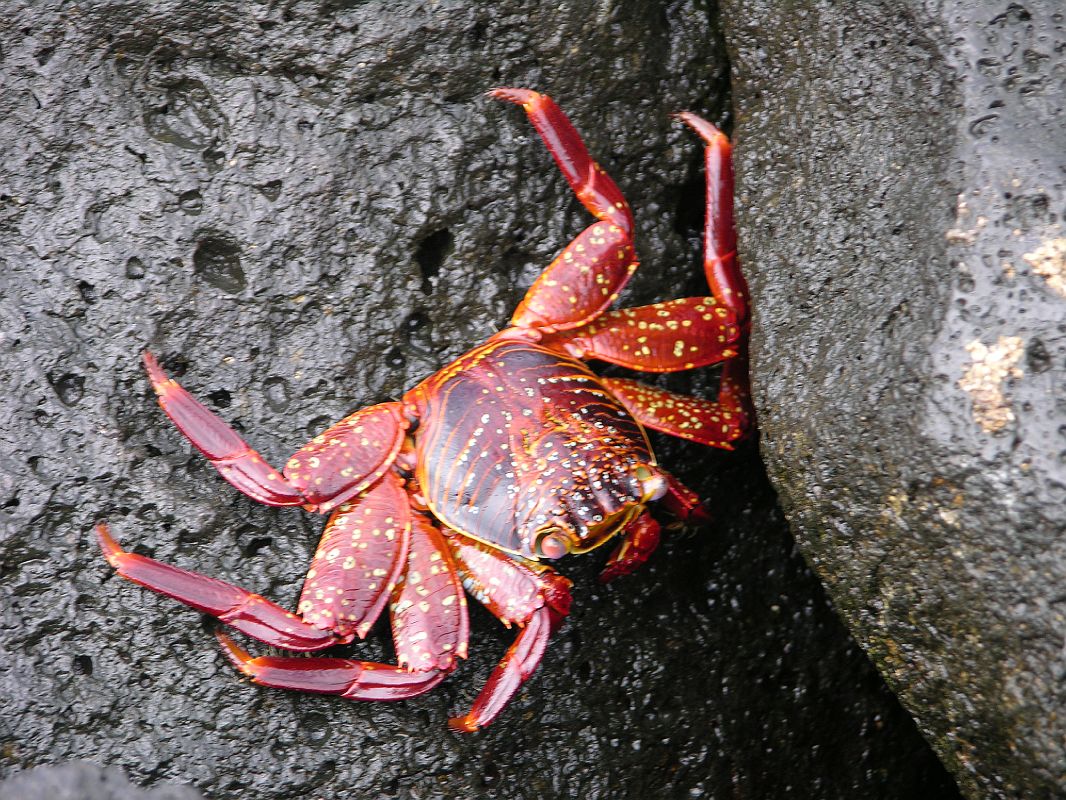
{"x": 593, "y": 187}
{"x": 518, "y": 592}
{"x": 247, "y": 612}
{"x": 664, "y": 337}
{"x": 333, "y": 467}
{"x": 590, "y": 272}
{"x": 719, "y": 235}
{"x": 518, "y": 664}
{"x": 238, "y": 463}
{"x": 716, "y": 424}
{"x": 428, "y": 607}
{"x": 580, "y": 283}
{"x": 429, "y": 626}
{"x": 359, "y": 560}
{"x": 354, "y": 680}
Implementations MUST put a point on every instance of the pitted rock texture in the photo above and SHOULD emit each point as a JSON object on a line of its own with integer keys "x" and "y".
{"x": 901, "y": 202}
{"x": 82, "y": 780}
{"x": 303, "y": 208}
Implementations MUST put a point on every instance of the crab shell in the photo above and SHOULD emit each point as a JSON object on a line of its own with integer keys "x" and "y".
{"x": 527, "y": 450}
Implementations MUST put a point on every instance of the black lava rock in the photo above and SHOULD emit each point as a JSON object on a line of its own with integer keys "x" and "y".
{"x": 303, "y": 208}
{"x": 81, "y": 780}
{"x": 902, "y": 173}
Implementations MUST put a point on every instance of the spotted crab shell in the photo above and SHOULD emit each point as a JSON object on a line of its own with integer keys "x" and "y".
{"x": 515, "y": 439}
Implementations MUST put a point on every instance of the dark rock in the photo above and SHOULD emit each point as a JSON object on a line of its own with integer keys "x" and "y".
{"x": 81, "y": 780}
{"x": 902, "y": 197}
{"x": 303, "y": 209}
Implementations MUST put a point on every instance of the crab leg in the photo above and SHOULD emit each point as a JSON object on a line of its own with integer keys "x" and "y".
{"x": 355, "y": 568}
{"x": 581, "y": 283}
{"x": 354, "y": 680}
{"x": 664, "y": 337}
{"x": 516, "y": 592}
{"x": 590, "y": 272}
{"x": 238, "y": 463}
{"x": 593, "y": 187}
{"x": 247, "y": 612}
{"x": 359, "y": 560}
{"x": 428, "y": 606}
{"x": 720, "y": 261}
{"x": 717, "y": 424}
{"x": 332, "y": 468}
{"x": 429, "y": 626}
{"x": 719, "y": 235}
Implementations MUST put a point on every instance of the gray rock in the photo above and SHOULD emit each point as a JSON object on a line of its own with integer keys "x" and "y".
{"x": 901, "y": 204}
{"x": 304, "y": 208}
{"x": 81, "y": 780}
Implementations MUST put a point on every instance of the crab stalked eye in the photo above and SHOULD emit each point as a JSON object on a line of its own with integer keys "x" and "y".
{"x": 653, "y": 484}
{"x": 553, "y": 543}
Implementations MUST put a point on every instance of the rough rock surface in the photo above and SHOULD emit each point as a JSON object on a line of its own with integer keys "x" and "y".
{"x": 902, "y": 167}
{"x": 303, "y": 208}
{"x": 81, "y": 780}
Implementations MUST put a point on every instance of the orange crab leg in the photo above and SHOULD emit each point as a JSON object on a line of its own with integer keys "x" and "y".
{"x": 593, "y": 187}
{"x": 332, "y": 468}
{"x": 719, "y": 235}
{"x": 665, "y": 337}
{"x": 247, "y": 612}
{"x": 518, "y": 664}
{"x": 359, "y": 560}
{"x": 716, "y": 424}
{"x": 429, "y": 626}
{"x": 581, "y": 283}
{"x": 591, "y": 271}
{"x": 428, "y": 607}
{"x": 516, "y": 592}
{"x": 354, "y": 680}
{"x": 238, "y": 463}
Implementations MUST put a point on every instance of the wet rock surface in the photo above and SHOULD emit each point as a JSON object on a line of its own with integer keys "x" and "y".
{"x": 902, "y": 170}
{"x": 81, "y": 780}
{"x": 303, "y": 209}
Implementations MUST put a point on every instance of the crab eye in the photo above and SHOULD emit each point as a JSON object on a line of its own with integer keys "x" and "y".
{"x": 652, "y": 484}
{"x": 553, "y": 543}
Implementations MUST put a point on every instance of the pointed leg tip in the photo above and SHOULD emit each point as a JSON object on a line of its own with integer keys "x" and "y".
{"x": 520, "y": 96}
{"x": 465, "y": 724}
{"x": 155, "y": 372}
{"x": 237, "y": 656}
{"x": 611, "y": 574}
{"x": 707, "y": 131}
{"x": 108, "y": 545}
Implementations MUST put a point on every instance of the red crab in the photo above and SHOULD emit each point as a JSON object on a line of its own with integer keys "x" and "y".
{"x": 513, "y": 454}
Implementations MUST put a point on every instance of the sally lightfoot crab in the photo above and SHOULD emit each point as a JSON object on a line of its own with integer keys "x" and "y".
{"x": 513, "y": 455}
